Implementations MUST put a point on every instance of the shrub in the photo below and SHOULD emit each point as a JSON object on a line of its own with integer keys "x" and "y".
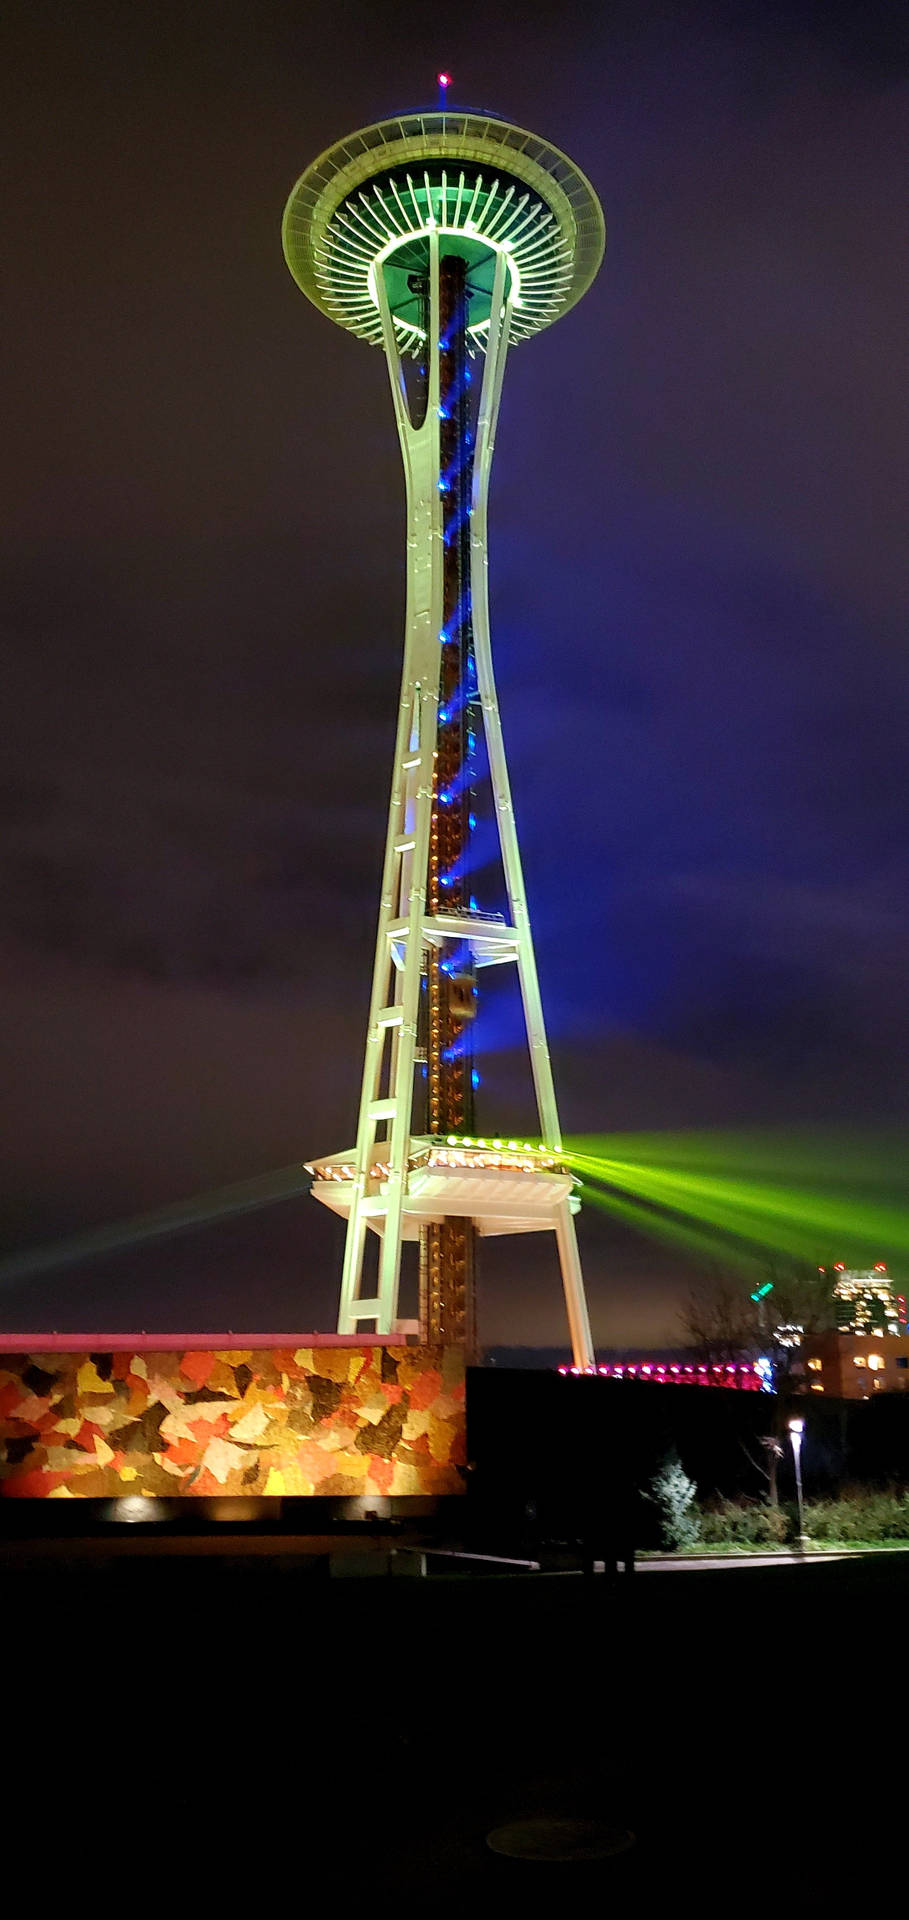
{"x": 865, "y": 1515}
{"x": 673, "y": 1494}
{"x": 743, "y": 1523}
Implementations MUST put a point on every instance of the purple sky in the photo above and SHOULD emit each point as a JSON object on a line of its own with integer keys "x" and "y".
{"x": 699, "y": 606}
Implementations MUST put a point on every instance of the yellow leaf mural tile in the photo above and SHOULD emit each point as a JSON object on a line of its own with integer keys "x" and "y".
{"x": 415, "y": 1423}
{"x": 330, "y": 1363}
{"x": 88, "y": 1380}
{"x": 221, "y": 1457}
{"x": 252, "y": 1424}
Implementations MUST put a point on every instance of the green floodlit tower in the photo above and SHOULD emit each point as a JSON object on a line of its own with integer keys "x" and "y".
{"x": 444, "y": 237}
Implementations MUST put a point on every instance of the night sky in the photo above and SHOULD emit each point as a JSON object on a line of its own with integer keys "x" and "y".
{"x": 699, "y": 610}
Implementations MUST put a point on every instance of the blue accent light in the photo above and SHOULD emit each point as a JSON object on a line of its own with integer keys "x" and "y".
{"x": 443, "y": 486}
{"x": 474, "y": 1079}
{"x": 471, "y": 821}
{"x": 451, "y": 707}
{"x": 444, "y": 638}
{"x": 443, "y": 413}
{"x": 473, "y": 905}
{"x": 446, "y": 879}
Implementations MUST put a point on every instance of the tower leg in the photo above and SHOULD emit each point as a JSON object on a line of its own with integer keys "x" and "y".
{"x": 395, "y": 998}
{"x": 572, "y": 1281}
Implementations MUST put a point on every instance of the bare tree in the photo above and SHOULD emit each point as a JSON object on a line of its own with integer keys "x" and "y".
{"x": 725, "y": 1322}
{"x": 718, "y": 1322}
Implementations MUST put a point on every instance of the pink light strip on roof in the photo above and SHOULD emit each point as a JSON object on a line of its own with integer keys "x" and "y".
{"x": 184, "y": 1342}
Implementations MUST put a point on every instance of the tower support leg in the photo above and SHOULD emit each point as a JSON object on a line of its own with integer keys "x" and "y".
{"x": 573, "y": 1283}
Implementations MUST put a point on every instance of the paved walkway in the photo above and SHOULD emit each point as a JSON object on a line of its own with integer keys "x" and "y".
{"x": 701, "y": 1563}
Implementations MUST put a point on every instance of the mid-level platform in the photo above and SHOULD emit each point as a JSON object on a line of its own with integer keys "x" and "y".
{"x": 502, "y": 1186}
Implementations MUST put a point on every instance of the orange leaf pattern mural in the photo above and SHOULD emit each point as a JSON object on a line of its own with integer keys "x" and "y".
{"x": 310, "y": 1420}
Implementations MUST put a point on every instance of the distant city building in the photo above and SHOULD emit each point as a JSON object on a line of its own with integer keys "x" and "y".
{"x": 865, "y": 1301}
{"x": 867, "y": 1351}
{"x": 864, "y": 1306}
{"x": 853, "y": 1366}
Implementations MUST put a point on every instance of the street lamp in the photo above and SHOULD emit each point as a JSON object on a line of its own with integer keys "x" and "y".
{"x": 796, "y": 1430}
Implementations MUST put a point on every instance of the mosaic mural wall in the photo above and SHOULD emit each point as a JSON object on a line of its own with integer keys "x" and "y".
{"x": 311, "y": 1420}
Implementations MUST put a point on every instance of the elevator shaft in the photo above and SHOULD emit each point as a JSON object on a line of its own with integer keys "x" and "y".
{"x": 448, "y": 1248}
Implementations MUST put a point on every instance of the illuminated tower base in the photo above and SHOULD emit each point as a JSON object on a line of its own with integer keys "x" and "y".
{"x": 444, "y": 237}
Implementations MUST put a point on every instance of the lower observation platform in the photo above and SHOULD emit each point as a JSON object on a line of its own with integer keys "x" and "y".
{"x": 502, "y": 1186}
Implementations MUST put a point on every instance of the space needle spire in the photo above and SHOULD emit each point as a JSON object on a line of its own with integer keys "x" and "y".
{"x": 445, "y": 238}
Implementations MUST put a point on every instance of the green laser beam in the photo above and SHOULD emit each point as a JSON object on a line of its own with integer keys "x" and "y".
{"x": 243, "y": 1196}
{"x": 796, "y": 1220}
{"x": 682, "y": 1235}
{"x": 809, "y": 1195}
{"x": 805, "y": 1195}
{"x": 816, "y": 1154}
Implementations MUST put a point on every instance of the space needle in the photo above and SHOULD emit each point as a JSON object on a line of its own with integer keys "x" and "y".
{"x": 445, "y": 238}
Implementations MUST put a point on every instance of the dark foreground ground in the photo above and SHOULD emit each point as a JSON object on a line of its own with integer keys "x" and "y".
{"x": 206, "y": 1726}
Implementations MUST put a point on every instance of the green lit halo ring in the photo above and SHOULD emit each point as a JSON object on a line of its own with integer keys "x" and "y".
{"x": 484, "y": 183}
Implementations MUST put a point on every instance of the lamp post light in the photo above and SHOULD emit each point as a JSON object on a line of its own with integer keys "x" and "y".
{"x": 796, "y": 1430}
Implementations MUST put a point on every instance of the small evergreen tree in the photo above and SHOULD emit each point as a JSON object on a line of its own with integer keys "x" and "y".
{"x": 673, "y": 1494}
